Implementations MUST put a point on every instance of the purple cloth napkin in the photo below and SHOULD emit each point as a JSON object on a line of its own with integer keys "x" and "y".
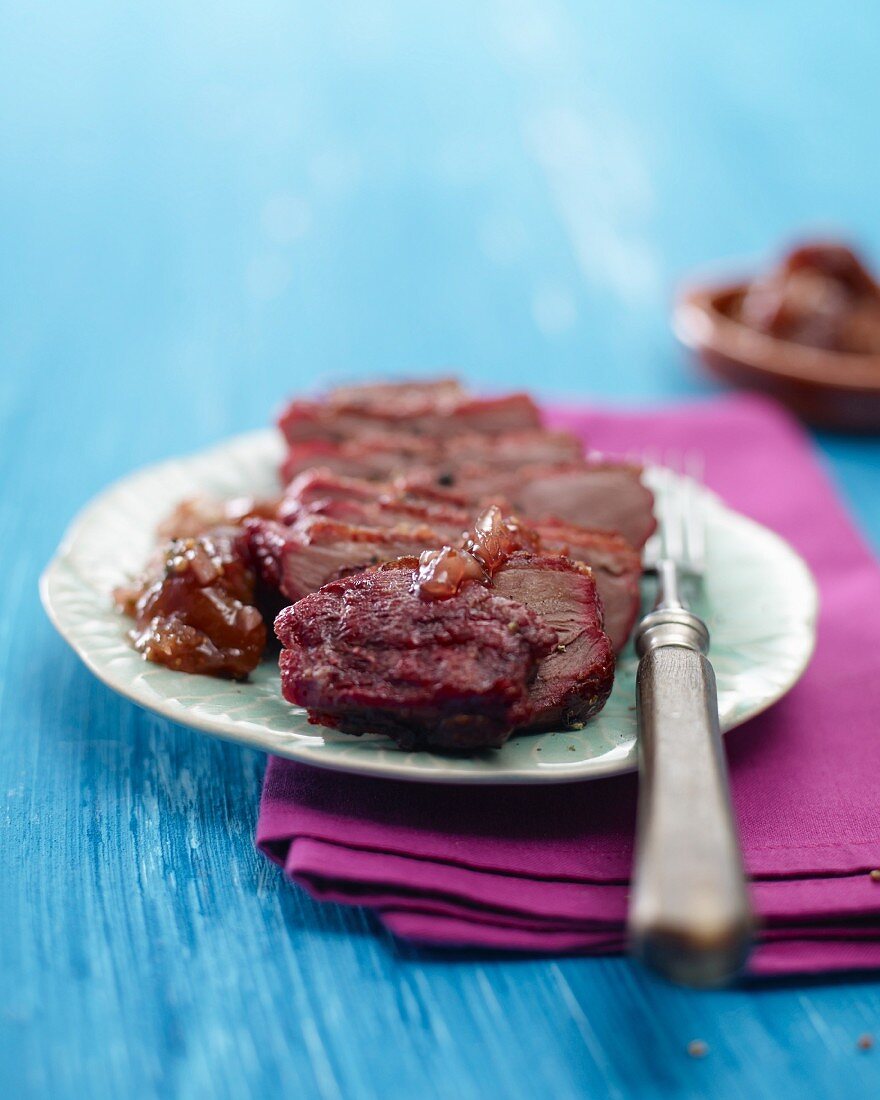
{"x": 546, "y": 869}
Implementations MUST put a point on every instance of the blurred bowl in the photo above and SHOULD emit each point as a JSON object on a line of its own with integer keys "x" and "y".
{"x": 829, "y": 389}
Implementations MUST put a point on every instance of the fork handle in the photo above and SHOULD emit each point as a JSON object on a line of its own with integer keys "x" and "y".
{"x": 690, "y": 917}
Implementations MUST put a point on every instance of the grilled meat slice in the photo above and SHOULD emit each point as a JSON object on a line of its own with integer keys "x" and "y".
{"x": 616, "y": 566}
{"x": 574, "y": 681}
{"x": 368, "y": 654}
{"x": 491, "y": 416}
{"x": 448, "y": 524}
{"x": 509, "y": 451}
{"x": 433, "y": 410}
{"x": 383, "y": 454}
{"x": 370, "y": 504}
{"x": 606, "y": 496}
{"x": 317, "y": 485}
{"x": 300, "y": 559}
{"x": 376, "y": 455}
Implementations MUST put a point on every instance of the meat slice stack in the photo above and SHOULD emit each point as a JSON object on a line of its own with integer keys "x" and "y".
{"x": 435, "y": 435}
{"x": 367, "y": 654}
{"x": 373, "y": 503}
{"x": 433, "y": 410}
{"x": 616, "y": 567}
{"x": 376, "y": 518}
{"x": 449, "y": 461}
{"x": 455, "y": 650}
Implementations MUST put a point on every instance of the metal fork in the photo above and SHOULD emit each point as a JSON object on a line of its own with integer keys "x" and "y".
{"x": 689, "y": 915}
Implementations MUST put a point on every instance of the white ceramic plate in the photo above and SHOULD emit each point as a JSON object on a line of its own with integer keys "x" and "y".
{"x": 760, "y": 604}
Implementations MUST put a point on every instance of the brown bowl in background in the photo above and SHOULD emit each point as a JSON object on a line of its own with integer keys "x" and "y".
{"x": 829, "y": 389}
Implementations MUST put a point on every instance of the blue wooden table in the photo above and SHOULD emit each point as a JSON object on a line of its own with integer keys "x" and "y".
{"x": 207, "y": 206}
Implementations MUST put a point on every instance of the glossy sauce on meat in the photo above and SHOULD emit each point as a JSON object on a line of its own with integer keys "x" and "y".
{"x": 494, "y": 538}
{"x": 193, "y": 610}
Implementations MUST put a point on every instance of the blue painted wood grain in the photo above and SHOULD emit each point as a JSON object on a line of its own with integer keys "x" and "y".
{"x": 205, "y": 207}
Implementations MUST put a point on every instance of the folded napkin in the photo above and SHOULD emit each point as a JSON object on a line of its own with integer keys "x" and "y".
{"x": 545, "y": 869}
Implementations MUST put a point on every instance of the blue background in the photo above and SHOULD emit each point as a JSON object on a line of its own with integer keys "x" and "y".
{"x": 206, "y": 207}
